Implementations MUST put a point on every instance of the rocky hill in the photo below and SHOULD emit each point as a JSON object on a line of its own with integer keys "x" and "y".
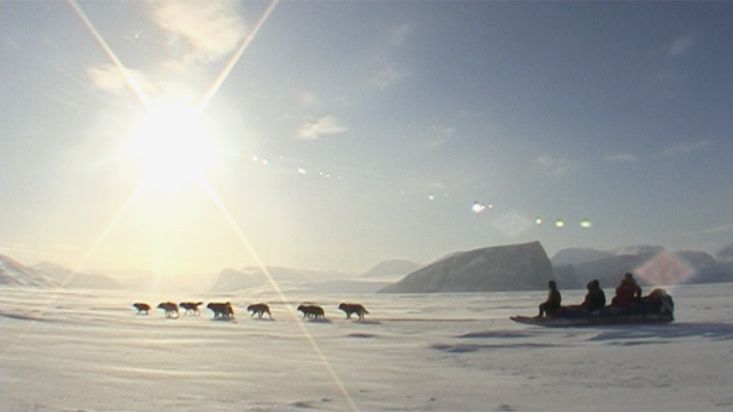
{"x": 14, "y": 273}
{"x": 67, "y": 278}
{"x": 514, "y": 267}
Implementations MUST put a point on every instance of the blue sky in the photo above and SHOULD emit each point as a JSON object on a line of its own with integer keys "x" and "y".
{"x": 381, "y": 125}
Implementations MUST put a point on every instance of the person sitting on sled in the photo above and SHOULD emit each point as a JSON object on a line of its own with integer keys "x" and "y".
{"x": 595, "y": 299}
{"x": 552, "y": 304}
{"x": 628, "y": 292}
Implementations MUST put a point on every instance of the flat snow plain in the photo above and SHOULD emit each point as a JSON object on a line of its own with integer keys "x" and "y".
{"x": 88, "y": 351}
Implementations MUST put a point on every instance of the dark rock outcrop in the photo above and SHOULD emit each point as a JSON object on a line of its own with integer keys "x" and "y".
{"x": 514, "y": 267}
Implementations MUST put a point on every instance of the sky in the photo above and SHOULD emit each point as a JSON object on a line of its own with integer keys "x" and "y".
{"x": 182, "y": 138}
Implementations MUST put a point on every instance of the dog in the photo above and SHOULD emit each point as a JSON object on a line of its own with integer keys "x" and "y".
{"x": 350, "y": 308}
{"x": 142, "y": 308}
{"x": 192, "y": 308}
{"x": 259, "y": 309}
{"x": 312, "y": 311}
{"x": 223, "y": 310}
{"x": 170, "y": 308}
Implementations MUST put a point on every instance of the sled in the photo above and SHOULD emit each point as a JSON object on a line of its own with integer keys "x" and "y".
{"x": 594, "y": 320}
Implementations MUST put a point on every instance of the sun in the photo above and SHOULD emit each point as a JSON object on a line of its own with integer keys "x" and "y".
{"x": 172, "y": 145}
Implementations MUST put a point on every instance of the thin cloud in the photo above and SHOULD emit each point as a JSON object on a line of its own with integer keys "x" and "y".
{"x": 684, "y": 148}
{"x": 387, "y": 75}
{"x": 679, "y": 46}
{"x": 109, "y": 79}
{"x": 553, "y": 166}
{"x": 512, "y": 224}
{"x": 621, "y": 158}
{"x": 12, "y": 44}
{"x": 327, "y": 125}
{"x": 386, "y": 71}
{"x": 209, "y": 29}
{"x": 305, "y": 98}
{"x": 439, "y": 186}
{"x": 439, "y": 135}
{"x": 718, "y": 229}
{"x": 670, "y": 76}
{"x": 398, "y": 34}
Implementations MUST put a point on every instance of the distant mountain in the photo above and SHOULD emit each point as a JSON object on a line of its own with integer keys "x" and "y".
{"x": 513, "y": 267}
{"x": 15, "y": 273}
{"x": 234, "y": 279}
{"x": 683, "y": 267}
{"x": 653, "y": 265}
{"x": 231, "y": 280}
{"x": 362, "y": 285}
{"x": 392, "y": 267}
{"x": 608, "y": 271}
{"x": 727, "y": 267}
{"x": 725, "y": 253}
{"x": 566, "y": 276}
{"x": 67, "y": 278}
{"x": 576, "y": 256}
{"x": 637, "y": 250}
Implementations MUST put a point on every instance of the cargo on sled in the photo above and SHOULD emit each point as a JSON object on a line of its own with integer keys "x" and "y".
{"x": 658, "y": 307}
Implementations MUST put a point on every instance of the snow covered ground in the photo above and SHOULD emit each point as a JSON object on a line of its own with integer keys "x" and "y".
{"x": 88, "y": 350}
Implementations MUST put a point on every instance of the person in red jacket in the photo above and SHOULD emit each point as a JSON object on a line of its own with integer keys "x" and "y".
{"x": 628, "y": 292}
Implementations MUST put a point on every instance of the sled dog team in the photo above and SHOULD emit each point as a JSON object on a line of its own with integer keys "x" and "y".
{"x": 224, "y": 310}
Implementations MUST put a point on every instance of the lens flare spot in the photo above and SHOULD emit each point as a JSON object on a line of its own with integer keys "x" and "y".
{"x": 302, "y": 171}
{"x": 431, "y": 197}
{"x": 538, "y": 221}
{"x": 265, "y": 162}
{"x": 478, "y": 208}
{"x": 559, "y": 223}
{"x": 586, "y": 224}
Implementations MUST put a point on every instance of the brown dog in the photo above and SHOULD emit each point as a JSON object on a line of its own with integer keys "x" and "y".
{"x": 312, "y": 311}
{"x": 221, "y": 310}
{"x": 142, "y": 308}
{"x": 259, "y": 309}
{"x": 350, "y": 308}
{"x": 170, "y": 308}
{"x": 192, "y": 308}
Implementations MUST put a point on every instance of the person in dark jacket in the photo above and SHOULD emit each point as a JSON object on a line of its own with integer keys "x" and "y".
{"x": 628, "y": 292}
{"x": 595, "y": 299}
{"x": 552, "y": 304}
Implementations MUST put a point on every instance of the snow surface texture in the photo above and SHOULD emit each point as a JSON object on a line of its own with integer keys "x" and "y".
{"x": 73, "y": 350}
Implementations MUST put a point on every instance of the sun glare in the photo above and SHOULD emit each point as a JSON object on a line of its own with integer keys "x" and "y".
{"x": 172, "y": 145}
